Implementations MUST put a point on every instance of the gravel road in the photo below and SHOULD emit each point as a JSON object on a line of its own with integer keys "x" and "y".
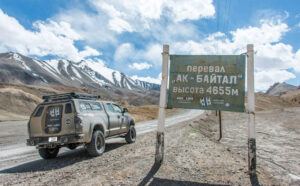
{"x": 13, "y": 150}
{"x": 190, "y": 159}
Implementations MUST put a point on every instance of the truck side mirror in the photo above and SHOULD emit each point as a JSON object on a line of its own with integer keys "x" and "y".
{"x": 124, "y": 110}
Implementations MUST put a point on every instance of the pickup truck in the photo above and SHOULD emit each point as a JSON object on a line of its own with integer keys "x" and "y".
{"x": 74, "y": 119}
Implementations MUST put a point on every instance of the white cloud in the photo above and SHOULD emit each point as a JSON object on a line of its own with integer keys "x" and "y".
{"x": 55, "y": 38}
{"x": 88, "y": 51}
{"x": 140, "y": 66}
{"x": 272, "y": 58}
{"x": 145, "y": 9}
{"x": 124, "y": 52}
{"x": 264, "y": 79}
{"x": 116, "y": 23}
{"x": 269, "y": 31}
{"x": 163, "y": 20}
{"x": 193, "y": 9}
{"x": 148, "y": 79}
{"x": 127, "y": 51}
{"x": 93, "y": 28}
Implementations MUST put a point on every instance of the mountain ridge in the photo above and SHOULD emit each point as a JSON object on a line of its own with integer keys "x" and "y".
{"x": 17, "y": 68}
{"x": 279, "y": 88}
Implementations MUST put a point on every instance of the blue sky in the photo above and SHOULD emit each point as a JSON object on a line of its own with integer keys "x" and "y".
{"x": 128, "y": 35}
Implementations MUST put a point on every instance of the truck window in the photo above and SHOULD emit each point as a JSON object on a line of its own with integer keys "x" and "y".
{"x": 96, "y": 106}
{"x": 68, "y": 108}
{"x": 117, "y": 108}
{"x": 39, "y": 112}
{"x": 110, "y": 108}
{"x": 85, "y": 106}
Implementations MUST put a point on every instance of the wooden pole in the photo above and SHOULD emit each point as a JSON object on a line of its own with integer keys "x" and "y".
{"x": 159, "y": 154}
{"x": 251, "y": 111}
{"x": 220, "y": 125}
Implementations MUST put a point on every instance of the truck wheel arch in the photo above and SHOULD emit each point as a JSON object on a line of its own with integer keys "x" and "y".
{"x": 131, "y": 122}
{"x": 95, "y": 127}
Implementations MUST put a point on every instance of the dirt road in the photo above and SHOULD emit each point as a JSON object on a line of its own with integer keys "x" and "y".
{"x": 13, "y": 150}
{"x": 190, "y": 159}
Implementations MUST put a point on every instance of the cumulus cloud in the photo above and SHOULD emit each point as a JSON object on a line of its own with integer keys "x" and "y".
{"x": 148, "y": 79}
{"x": 263, "y": 79}
{"x": 140, "y": 66}
{"x": 163, "y": 20}
{"x": 127, "y": 51}
{"x": 144, "y": 9}
{"x": 54, "y": 38}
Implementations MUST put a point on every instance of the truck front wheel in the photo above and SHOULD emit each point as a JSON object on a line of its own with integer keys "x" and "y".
{"x": 131, "y": 135}
{"x": 48, "y": 153}
{"x": 97, "y": 145}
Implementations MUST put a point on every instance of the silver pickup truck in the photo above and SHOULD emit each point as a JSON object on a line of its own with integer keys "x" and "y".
{"x": 74, "y": 119}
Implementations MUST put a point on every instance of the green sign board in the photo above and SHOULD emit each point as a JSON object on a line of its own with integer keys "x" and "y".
{"x": 208, "y": 82}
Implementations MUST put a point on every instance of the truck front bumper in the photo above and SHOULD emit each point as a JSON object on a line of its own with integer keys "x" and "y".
{"x": 61, "y": 140}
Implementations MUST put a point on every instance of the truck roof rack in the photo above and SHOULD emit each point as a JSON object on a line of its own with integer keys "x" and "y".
{"x": 66, "y": 96}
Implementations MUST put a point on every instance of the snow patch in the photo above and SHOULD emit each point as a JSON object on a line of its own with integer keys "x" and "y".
{"x": 21, "y": 61}
{"x": 76, "y": 72}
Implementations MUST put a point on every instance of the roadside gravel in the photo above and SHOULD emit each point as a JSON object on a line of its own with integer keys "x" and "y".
{"x": 190, "y": 159}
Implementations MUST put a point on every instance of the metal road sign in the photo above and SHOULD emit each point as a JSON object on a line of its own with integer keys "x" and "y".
{"x": 208, "y": 82}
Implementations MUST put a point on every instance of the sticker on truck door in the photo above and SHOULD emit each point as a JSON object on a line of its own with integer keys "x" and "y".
{"x": 53, "y": 119}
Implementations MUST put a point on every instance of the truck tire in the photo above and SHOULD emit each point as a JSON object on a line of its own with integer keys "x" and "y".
{"x": 72, "y": 146}
{"x": 131, "y": 135}
{"x": 97, "y": 145}
{"x": 48, "y": 153}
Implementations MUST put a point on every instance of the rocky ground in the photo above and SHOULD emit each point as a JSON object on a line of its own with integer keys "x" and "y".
{"x": 277, "y": 138}
{"x": 191, "y": 158}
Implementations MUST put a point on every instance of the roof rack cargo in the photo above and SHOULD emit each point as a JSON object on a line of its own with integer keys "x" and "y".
{"x": 76, "y": 95}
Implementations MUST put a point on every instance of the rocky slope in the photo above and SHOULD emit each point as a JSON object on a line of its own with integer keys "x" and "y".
{"x": 279, "y": 88}
{"x": 22, "y": 99}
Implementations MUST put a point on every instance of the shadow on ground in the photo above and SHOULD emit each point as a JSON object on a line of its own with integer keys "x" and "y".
{"x": 254, "y": 180}
{"x": 63, "y": 160}
{"x": 167, "y": 182}
{"x": 162, "y": 182}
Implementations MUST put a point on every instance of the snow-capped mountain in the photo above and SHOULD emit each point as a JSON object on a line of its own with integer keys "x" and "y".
{"x": 16, "y": 68}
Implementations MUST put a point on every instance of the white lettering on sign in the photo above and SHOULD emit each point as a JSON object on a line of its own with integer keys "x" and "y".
{"x": 205, "y": 101}
{"x": 214, "y": 90}
{"x": 182, "y": 78}
{"x": 216, "y": 79}
{"x": 192, "y": 90}
{"x": 220, "y": 90}
{"x": 211, "y": 69}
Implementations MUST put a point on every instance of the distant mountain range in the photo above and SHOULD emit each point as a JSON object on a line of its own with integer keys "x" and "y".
{"x": 279, "y": 88}
{"x": 17, "y": 68}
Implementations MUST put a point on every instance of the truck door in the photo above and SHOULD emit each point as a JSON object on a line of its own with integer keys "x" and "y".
{"x": 121, "y": 117}
{"x": 114, "y": 119}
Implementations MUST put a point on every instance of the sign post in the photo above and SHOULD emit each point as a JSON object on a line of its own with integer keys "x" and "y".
{"x": 208, "y": 82}
{"x": 220, "y": 126}
{"x": 159, "y": 153}
{"x": 251, "y": 111}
